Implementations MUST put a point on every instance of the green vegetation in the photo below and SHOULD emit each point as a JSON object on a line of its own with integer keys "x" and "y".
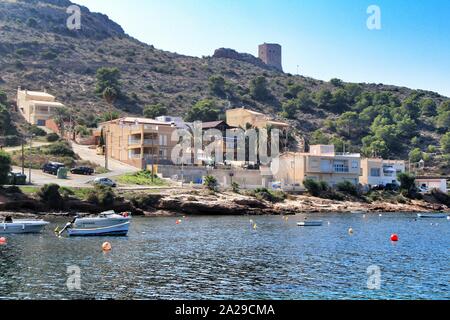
{"x": 407, "y": 184}
{"x": 141, "y": 178}
{"x": 5, "y": 167}
{"x": 204, "y": 110}
{"x": 235, "y": 187}
{"x": 210, "y": 183}
{"x": 59, "y": 152}
{"x": 259, "y": 89}
{"x": 154, "y": 110}
{"x": 52, "y": 137}
{"x": 108, "y": 79}
{"x": 217, "y": 86}
{"x": 264, "y": 194}
{"x": 315, "y": 188}
{"x": 7, "y": 129}
{"x": 347, "y": 187}
{"x": 445, "y": 143}
{"x": 34, "y": 129}
{"x": 101, "y": 195}
{"x": 50, "y": 195}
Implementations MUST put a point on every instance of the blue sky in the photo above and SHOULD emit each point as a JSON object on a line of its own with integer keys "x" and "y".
{"x": 325, "y": 38}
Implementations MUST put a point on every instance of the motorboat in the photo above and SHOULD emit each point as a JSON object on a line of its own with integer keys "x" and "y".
{"x": 13, "y": 226}
{"x": 311, "y": 223}
{"x": 107, "y": 223}
{"x": 432, "y": 216}
{"x": 358, "y": 212}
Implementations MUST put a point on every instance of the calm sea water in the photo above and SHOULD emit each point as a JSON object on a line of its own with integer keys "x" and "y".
{"x": 225, "y": 258}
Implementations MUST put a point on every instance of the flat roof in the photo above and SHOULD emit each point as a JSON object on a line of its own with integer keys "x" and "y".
{"x": 37, "y": 93}
{"x": 139, "y": 121}
{"x": 47, "y": 103}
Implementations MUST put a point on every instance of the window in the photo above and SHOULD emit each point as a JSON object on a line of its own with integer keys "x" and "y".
{"x": 163, "y": 140}
{"x": 355, "y": 164}
{"x": 341, "y": 166}
{"x": 375, "y": 172}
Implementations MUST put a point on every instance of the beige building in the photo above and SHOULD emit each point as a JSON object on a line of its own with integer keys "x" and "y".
{"x": 321, "y": 163}
{"x": 36, "y": 107}
{"x": 241, "y": 117}
{"x": 139, "y": 141}
{"x": 377, "y": 171}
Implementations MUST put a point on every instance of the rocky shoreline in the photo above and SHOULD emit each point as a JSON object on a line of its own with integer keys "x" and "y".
{"x": 209, "y": 203}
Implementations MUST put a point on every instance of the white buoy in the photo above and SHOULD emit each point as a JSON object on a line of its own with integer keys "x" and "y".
{"x": 350, "y": 231}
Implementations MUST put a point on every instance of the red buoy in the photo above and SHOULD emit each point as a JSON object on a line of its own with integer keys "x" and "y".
{"x": 3, "y": 240}
{"x": 394, "y": 237}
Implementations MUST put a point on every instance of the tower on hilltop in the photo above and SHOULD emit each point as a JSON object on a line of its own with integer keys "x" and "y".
{"x": 270, "y": 54}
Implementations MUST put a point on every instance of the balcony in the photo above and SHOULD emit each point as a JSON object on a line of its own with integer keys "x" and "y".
{"x": 147, "y": 142}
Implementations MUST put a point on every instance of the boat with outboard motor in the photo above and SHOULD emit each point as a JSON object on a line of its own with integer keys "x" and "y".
{"x": 107, "y": 223}
{"x": 20, "y": 226}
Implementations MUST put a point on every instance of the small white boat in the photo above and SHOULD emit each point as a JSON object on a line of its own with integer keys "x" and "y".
{"x": 13, "y": 226}
{"x": 107, "y": 223}
{"x": 359, "y": 212}
{"x": 310, "y": 223}
{"x": 432, "y": 216}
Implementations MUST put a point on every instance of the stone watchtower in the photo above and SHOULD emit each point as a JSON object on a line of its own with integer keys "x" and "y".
{"x": 270, "y": 54}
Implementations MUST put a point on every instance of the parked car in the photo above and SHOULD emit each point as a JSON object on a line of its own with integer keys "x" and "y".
{"x": 82, "y": 170}
{"x": 17, "y": 179}
{"x": 52, "y": 167}
{"x": 105, "y": 182}
{"x": 392, "y": 187}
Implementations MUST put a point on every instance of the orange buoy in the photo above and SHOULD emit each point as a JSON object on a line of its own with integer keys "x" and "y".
{"x": 106, "y": 246}
{"x": 3, "y": 240}
{"x": 394, "y": 237}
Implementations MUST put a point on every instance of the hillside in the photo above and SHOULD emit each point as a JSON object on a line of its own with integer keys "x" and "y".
{"x": 38, "y": 51}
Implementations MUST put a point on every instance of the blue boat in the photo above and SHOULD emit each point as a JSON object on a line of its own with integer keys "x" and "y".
{"x": 432, "y": 216}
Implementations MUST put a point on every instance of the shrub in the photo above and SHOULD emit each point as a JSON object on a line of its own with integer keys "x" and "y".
{"x": 347, "y": 187}
{"x": 267, "y": 195}
{"x": 37, "y": 131}
{"x": 5, "y": 167}
{"x": 61, "y": 149}
{"x": 314, "y": 188}
{"x": 235, "y": 187}
{"x": 407, "y": 183}
{"x": 210, "y": 183}
{"x": 51, "y": 196}
{"x": 52, "y": 137}
{"x": 101, "y": 195}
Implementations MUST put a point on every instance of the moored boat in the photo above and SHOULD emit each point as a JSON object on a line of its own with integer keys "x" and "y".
{"x": 107, "y": 223}
{"x": 20, "y": 226}
{"x": 432, "y": 216}
{"x": 311, "y": 223}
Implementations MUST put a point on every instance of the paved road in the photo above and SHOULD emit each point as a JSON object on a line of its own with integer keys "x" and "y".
{"x": 80, "y": 181}
{"x": 116, "y": 167}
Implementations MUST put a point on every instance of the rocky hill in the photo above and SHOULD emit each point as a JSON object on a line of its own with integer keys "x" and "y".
{"x": 38, "y": 51}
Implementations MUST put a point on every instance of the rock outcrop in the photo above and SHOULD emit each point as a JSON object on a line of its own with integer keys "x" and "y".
{"x": 245, "y": 57}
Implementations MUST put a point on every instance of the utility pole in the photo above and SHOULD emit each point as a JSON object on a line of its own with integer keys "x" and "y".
{"x": 31, "y": 159}
{"x": 106, "y": 150}
{"x": 23, "y": 156}
{"x": 153, "y": 157}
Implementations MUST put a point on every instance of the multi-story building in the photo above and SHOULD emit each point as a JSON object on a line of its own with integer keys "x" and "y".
{"x": 139, "y": 142}
{"x": 36, "y": 107}
{"x": 270, "y": 54}
{"x": 242, "y": 117}
{"x": 377, "y": 171}
{"x": 321, "y": 163}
